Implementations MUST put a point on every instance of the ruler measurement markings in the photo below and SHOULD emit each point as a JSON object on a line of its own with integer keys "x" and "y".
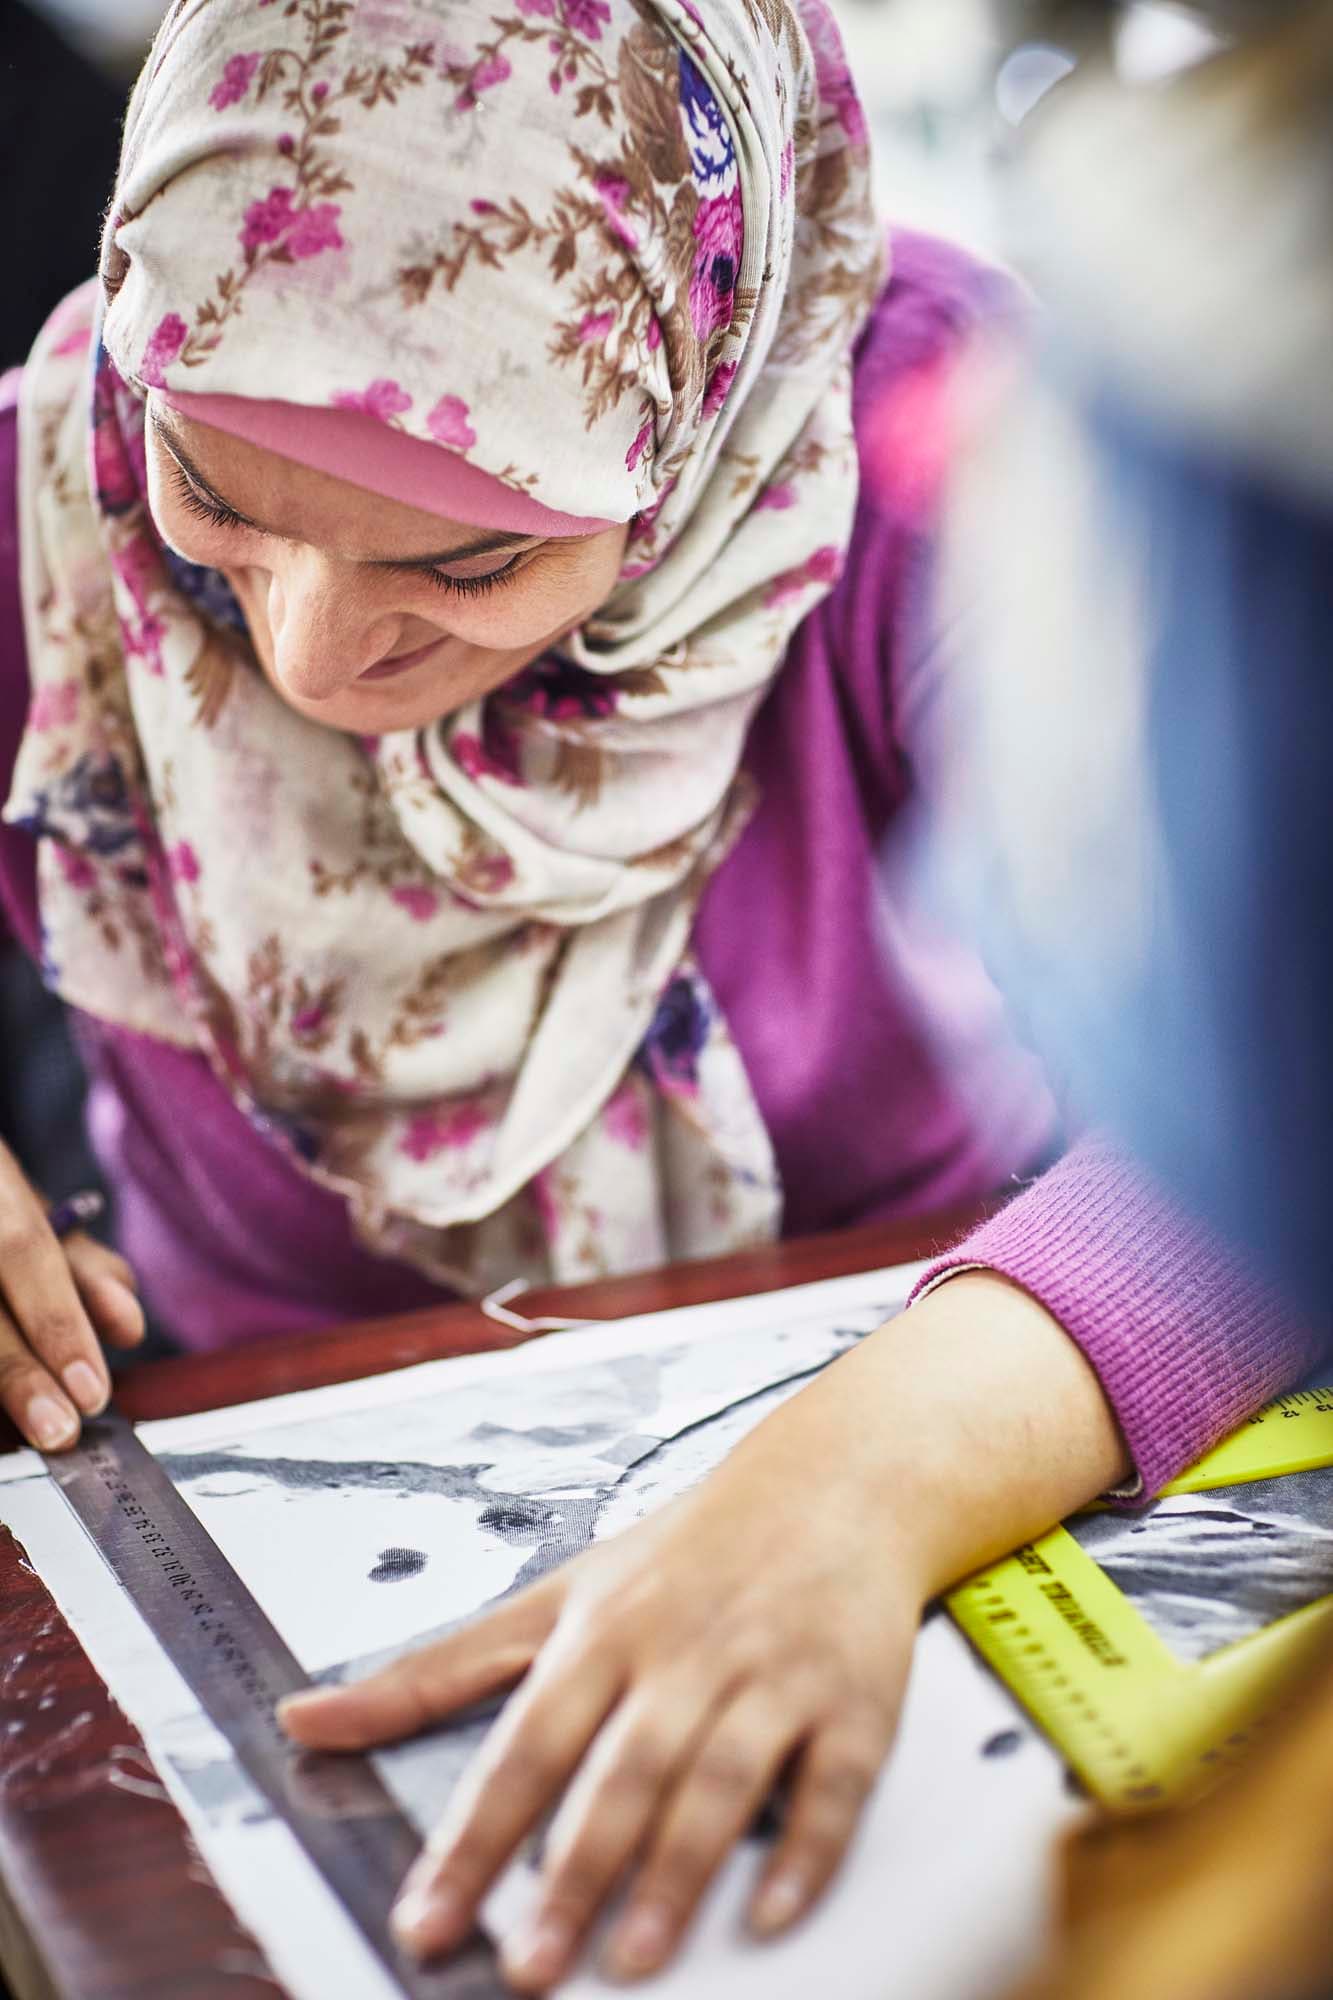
{"x": 1147, "y": 1728}
{"x": 238, "y": 1667}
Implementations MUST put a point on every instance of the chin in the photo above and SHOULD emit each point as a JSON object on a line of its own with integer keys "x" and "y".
{"x": 378, "y": 716}
{"x": 374, "y": 708}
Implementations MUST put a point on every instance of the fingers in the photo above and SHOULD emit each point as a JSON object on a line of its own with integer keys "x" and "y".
{"x": 51, "y": 1365}
{"x": 521, "y": 1769}
{"x": 425, "y": 1686}
{"x": 604, "y": 1819}
{"x": 107, "y": 1287}
{"x": 831, "y": 1785}
{"x": 35, "y": 1402}
{"x": 714, "y": 1767}
{"x": 727, "y": 1780}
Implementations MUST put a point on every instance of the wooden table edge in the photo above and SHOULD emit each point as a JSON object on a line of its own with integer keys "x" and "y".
{"x": 103, "y": 1895}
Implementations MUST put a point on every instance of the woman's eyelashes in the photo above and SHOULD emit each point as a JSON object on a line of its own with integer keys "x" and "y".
{"x": 205, "y": 508}
{"x": 201, "y": 506}
{"x": 472, "y": 586}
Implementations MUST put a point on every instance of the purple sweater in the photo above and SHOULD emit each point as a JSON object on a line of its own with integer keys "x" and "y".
{"x": 878, "y": 1052}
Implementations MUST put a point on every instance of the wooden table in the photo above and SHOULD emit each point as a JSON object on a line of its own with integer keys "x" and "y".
{"x": 102, "y": 1893}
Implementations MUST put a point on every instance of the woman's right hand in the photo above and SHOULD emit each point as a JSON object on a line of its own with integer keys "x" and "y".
{"x": 59, "y": 1299}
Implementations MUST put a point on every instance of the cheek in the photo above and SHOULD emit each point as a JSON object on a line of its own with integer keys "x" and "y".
{"x": 584, "y": 581}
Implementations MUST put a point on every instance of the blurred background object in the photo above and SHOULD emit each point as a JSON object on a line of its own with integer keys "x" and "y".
{"x": 1144, "y": 556}
{"x": 926, "y": 71}
{"x": 111, "y": 33}
{"x": 59, "y": 136}
{"x": 1144, "y": 550}
{"x": 1228, "y": 1900}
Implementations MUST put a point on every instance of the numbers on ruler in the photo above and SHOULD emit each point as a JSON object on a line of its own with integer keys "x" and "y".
{"x": 1316, "y": 1402}
{"x": 1300, "y": 1401}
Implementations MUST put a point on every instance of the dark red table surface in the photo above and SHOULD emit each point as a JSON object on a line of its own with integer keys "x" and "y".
{"x": 103, "y": 1896}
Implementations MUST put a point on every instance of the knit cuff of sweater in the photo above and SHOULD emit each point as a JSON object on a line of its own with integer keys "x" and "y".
{"x": 1185, "y": 1343}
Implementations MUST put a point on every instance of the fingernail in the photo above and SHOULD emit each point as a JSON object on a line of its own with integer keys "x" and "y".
{"x": 86, "y": 1386}
{"x": 425, "y": 1919}
{"x": 778, "y": 1903}
{"x": 304, "y": 1699}
{"x": 540, "y": 1953}
{"x": 642, "y": 1941}
{"x": 123, "y": 1302}
{"x": 50, "y": 1423}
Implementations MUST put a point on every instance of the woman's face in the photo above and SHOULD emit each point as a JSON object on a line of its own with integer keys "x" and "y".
{"x": 366, "y": 615}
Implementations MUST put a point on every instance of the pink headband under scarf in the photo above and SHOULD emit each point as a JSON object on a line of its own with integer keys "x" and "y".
{"x": 357, "y": 447}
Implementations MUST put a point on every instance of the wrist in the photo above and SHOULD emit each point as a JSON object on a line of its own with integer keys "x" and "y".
{"x": 959, "y": 1430}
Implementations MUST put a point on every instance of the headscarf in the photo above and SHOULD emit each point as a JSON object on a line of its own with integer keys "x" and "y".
{"x": 615, "y": 253}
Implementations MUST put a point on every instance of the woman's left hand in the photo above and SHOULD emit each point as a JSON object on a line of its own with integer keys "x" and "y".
{"x": 760, "y": 1625}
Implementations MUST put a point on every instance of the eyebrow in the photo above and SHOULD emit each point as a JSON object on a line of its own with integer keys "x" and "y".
{"x": 480, "y": 545}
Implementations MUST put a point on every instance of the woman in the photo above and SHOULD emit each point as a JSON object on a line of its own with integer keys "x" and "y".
{"x": 465, "y": 694}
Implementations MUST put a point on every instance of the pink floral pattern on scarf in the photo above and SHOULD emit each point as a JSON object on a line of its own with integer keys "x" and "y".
{"x": 458, "y": 990}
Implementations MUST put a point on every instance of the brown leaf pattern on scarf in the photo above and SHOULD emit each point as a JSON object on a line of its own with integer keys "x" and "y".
{"x": 458, "y": 990}
{"x": 300, "y": 216}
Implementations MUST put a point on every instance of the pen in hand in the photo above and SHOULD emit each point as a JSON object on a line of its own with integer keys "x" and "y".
{"x": 74, "y": 1212}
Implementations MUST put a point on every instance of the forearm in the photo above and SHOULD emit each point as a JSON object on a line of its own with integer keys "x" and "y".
{"x": 957, "y": 1431}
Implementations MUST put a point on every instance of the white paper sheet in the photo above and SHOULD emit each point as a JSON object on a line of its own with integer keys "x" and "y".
{"x": 370, "y": 1515}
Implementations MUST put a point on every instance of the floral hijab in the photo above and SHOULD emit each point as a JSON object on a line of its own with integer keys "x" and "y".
{"x": 614, "y": 252}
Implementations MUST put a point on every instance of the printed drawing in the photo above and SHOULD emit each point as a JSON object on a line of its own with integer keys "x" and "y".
{"x": 402, "y": 1521}
{"x": 1206, "y": 1569}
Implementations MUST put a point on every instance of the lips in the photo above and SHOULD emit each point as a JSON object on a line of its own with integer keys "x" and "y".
{"x": 401, "y": 663}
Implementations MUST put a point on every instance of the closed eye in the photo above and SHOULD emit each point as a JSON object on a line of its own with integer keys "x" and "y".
{"x": 200, "y": 505}
{"x": 471, "y": 586}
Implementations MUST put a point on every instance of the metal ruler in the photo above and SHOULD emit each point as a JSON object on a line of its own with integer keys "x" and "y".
{"x": 1140, "y": 1726}
{"x": 238, "y": 1668}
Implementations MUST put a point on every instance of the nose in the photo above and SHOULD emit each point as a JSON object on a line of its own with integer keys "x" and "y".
{"x": 324, "y": 626}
